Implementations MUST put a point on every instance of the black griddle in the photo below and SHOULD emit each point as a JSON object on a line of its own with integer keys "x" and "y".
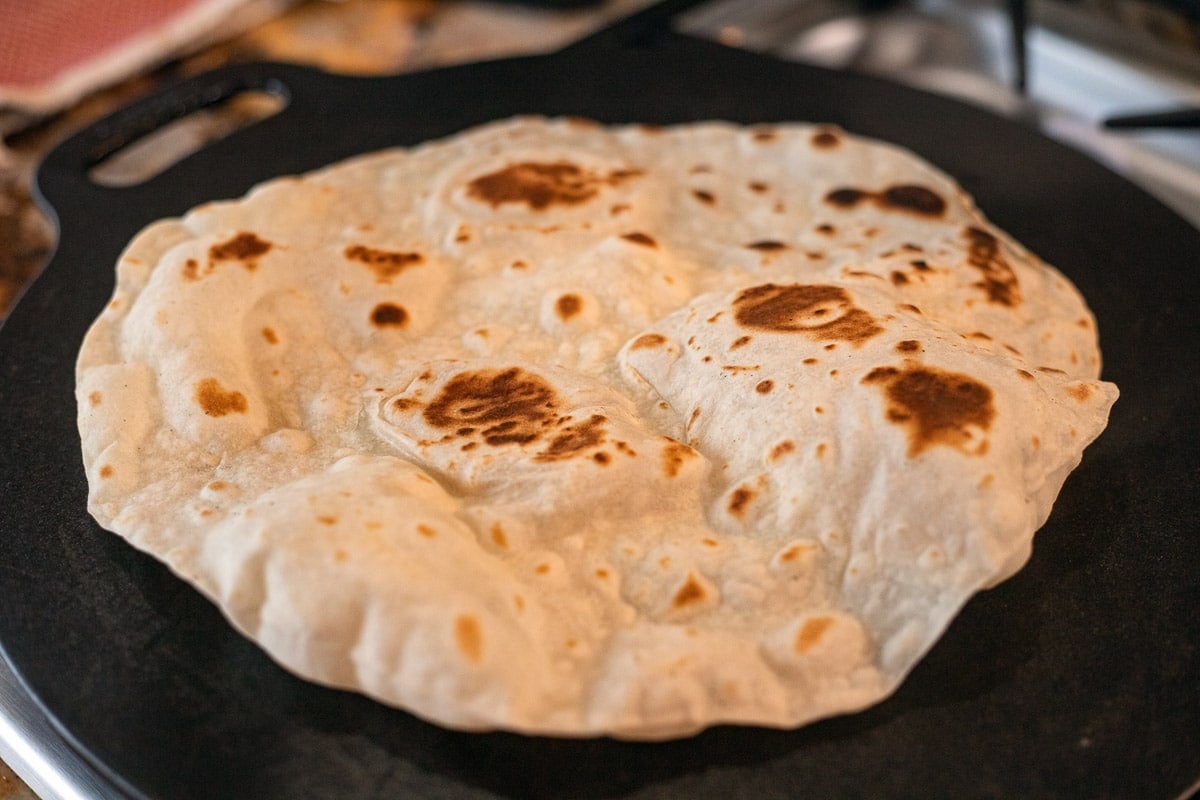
{"x": 1079, "y": 677}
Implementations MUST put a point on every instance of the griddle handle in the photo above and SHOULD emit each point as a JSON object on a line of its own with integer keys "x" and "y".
{"x": 65, "y": 171}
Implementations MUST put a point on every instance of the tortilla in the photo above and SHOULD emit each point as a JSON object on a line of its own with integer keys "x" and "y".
{"x": 574, "y": 430}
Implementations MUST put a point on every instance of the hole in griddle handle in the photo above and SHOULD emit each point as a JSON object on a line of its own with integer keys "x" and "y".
{"x": 157, "y": 151}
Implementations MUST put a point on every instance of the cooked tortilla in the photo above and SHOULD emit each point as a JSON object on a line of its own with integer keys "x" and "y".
{"x": 575, "y": 430}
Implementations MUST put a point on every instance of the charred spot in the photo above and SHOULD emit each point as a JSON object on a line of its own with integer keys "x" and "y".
{"x": 845, "y": 197}
{"x": 506, "y": 406}
{"x": 567, "y": 306}
{"x": 692, "y": 591}
{"x": 637, "y": 237}
{"x": 920, "y": 265}
{"x": 825, "y": 140}
{"x": 999, "y": 282}
{"x": 781, "y": 449}
{"x": 740, "y": 499}
{"x": 1080, "y": 391}
{"x": 917, "y": 199}
{"x": 244, "y": 247}
{"x": 826, "y": 229}
{"x": 468, "y": 638}
{"x": 575, "y": 439}
{"x": 706, "y": 197}
{"x": 216, "y": 401}
{"x": 765, "y": 387}
{"x": 191, "y": 270}
{"x": 904, "y": 197}
{"x": 810, "y": 633}
{"x": 673, "y": 456}
{"x": 540, "y": 185}
{"x": 899, "y": 278}
{"x": 601, "y": 458}
{"x": 908, "y": 346}
{"x": 820, "y": 312}
{"x": 936, "y": 407}
{"x": 758, "y": 187}
{"x": 741, "y": 341}
{"x": 647, "y": 340}
{"x": 389, "y": 315}
{"x": 767, "y": 246}
{"x": 386, "y": 264}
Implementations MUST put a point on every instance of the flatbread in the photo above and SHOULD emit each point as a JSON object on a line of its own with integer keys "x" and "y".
{"x": 576, "y": 430}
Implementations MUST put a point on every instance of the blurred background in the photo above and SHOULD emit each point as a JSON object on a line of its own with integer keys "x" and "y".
{"x": 1119, "y": 79}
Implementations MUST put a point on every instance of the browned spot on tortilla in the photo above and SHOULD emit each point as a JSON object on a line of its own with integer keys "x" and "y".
{"x": 426, "y": 531}
{"x": 540, "y": 185}
{"x": 106, "y": 471}
{"x": 794, "y": 552}
{"x": 1026, "y": 374}
{"x": 985, "y": 254}
{"x": 269, "y": 335}
{"x": 898, "y": 278}
{"x": 715, "y": 317}
{"x": 692, "y": 591}
{"x": 217, "y": 486}
{"x": 648, "y": 340}
{"x": 568, "y": 306}
{"x": 507, "y": 406}
{"x": 575, "y": 439}
{"x": 810, "y": 633}
{"x": 191, "y": 270}
{"x": 699, "y": 169}
{"x": 909, "y": 198}
{"x": 694, "y": 416}
{"x": 389, "y": 315}
{"x": 810, "y": 360}
{"x": 920, "y": 265}
{"x": 1051, "y": 370}
{"x": 765, "y": 387}
{"x": 739, "y": 499}
{"x": 758, "y": 186}
{"x": 826, "y": 229}
{"x": 637, "y": 237}
{"x": 405, "y": 404}
{"x": 767, "y": 246}
{"x": 542, "y": 569}
{"x": 936, "y": 407}
{"x": 215, "y": 401}
{"x": 782, "y": 449}
{"x": 468, "y": 638}
{"x": 498, "y": 535}
{"x": 462, "y": 234}
{"x": 673, "y": 455}
{"x": 908, "y": 346}
{"x": 820, "y": 312}
{"x": 821, "y": 447}
{"x": 765, "y": 135}
{"x": 1080, "y": 391}
{"x": 324, "y": 519}
{"x": 601, "y": 458}
{"x": 909, "y": 307}
{"x": 619, "y": 208}
{"x": 825, "y": 140}
{"x": 244, "y": 247}
{"x": 386, "y": 264}
{"x": 706, "y": 197}
{"x": 741, "y": 341}
{"x": 95, "y": 398}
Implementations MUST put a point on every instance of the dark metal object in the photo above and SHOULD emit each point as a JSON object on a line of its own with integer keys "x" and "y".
{"x": 1175, "y": 118}
{"x": 1079, "y": 677}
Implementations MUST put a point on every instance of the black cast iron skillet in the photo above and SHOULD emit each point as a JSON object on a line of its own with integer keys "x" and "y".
{"x": 1080, "y": 677}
